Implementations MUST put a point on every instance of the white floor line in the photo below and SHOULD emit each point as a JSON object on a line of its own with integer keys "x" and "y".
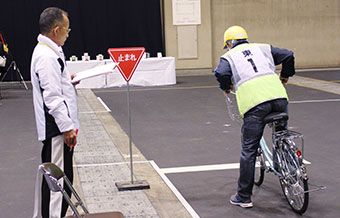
{"x": 174, "y": 190}
{"x": 103, "y": 103}
{"x": 314, "y": 101}
{"x": 317, "y": 69}
{"x": 108, "y": 164}
{"x": 200, "y": 168}
{"x": 92, "y": 112}
{"x": 128, "y": 155}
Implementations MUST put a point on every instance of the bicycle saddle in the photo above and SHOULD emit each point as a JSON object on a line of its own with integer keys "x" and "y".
{"x": 276, "y": 116}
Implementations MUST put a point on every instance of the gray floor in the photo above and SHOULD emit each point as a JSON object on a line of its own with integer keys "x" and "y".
{"x": 186, "y": 125}
{"x": 19, "y": 152}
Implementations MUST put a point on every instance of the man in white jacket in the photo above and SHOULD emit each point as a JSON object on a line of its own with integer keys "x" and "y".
{"x": 55, "y": 103}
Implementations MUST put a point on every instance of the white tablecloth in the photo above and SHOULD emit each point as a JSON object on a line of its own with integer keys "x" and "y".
{"x": 150, "y": 72}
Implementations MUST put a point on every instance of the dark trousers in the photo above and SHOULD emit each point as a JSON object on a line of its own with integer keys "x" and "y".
{"x": 57, "y": 152}
{"x": 252, "y": 131}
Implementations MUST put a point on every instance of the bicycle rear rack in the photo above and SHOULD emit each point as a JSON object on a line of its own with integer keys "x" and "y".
{"x": 291, "y": 135}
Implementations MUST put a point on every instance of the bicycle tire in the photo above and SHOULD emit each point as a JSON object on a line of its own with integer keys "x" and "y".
{"x": 259, "y": 171}
{"x": 293, "y": 184}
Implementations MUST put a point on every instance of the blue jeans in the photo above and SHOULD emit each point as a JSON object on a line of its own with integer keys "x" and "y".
{"x": 252, "y": 131}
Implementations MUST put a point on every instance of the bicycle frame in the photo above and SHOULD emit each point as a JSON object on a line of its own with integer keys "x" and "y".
{"x": 277, "y": 138}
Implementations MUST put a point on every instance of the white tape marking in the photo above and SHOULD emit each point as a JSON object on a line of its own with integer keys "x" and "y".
{"x": 314, "y": 101}
{"x": 108, "y": 164}
{"x": 103, "y": 103}
{"x": 174, "y": 190}
{"x": 128, "y": 155}
{"x": 91, "y": 112}
{"x": 201, "y": 168}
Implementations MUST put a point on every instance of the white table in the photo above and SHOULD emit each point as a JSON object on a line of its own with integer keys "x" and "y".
{"x": 150, "y": 72}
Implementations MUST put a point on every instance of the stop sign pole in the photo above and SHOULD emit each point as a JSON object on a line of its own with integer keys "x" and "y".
{"x": 127, "y": 60}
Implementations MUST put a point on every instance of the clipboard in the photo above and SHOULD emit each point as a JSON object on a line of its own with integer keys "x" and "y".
{"x": 93, "y": 72}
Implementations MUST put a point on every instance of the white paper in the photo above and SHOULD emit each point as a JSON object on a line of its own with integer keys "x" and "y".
{"x": 186, "y": 12}
{"x": 96, "y": 71}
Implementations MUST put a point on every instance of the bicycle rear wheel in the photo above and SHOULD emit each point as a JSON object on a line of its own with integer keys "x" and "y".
{"x": 294, "y": 184}
{"x": 259, "y": 168}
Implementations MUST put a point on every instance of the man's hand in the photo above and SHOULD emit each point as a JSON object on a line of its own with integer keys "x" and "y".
{"x": 70, "y": 137}
{"x": 72, "y": 76}
{"x": 231, "y": 89}
{"x": 284, "y": 81}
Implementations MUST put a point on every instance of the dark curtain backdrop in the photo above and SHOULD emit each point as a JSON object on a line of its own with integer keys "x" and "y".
{"x": 96, "y": 26}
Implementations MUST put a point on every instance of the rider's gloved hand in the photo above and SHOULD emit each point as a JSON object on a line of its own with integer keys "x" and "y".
{"x": 284, "y": 80}
{"x": 231, "y": 89}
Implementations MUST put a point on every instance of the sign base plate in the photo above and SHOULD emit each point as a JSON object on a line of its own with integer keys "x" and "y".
{"x": 136, "y": 185}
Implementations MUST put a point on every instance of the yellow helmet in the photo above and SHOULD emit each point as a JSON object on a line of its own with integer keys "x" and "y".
{"x": 234, "y": 32}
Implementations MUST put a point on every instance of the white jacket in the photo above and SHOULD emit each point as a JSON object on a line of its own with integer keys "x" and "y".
{"x": 54, "y": 97}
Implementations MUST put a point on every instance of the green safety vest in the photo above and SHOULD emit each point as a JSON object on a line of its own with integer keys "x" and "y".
{"x": 254, "y": 75}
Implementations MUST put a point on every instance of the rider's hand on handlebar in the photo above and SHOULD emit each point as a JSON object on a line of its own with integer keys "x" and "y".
{"x": 284, "y": 81}
{"x": 231, "y": 89}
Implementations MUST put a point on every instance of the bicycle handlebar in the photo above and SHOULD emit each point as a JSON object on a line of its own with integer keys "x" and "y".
{"x": 232, "y": 108}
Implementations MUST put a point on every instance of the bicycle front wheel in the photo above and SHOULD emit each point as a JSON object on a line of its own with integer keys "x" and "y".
{"x": 259, "y": 168}
{"x": 294, "y": 184}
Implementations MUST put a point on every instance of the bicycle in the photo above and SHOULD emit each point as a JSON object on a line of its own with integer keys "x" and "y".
{"x": 286, "y": 161}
